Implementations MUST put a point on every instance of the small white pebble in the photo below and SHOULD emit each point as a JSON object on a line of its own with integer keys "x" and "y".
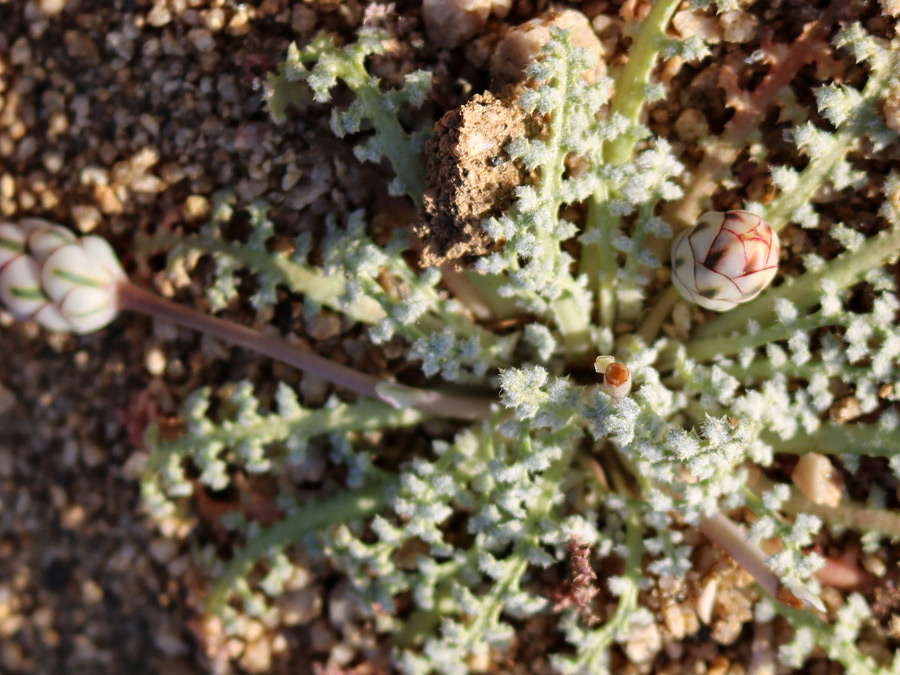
{"x": 890, "y": 7}
{"x": 134, "y": 466}
{"x": 814, "y": 477}
{"x": 738, "y": 26}
{"x": 300, "y": 607}
{"x": 159, "y": 16}
{"x": 72, "y": 517}
{"x": 524, "y": 43}
{"x": 674, "y": 620}
{"x": 91, "y": 592}
{"x": 53, "y": 161}
{"x": 86, "y": 217}
{"x": 257, "y": 657}
{"x": 874, "y": 565}
{"x": 51, "y": 7}
{"x": 707, "y": 600}
{"x": 695, "y": 23}
{"x": 451, "y": 22}
{"x": 202, "y": 40}
{"x": 162, "y": 550}
{"x": 155, "y": 361}
{"x": 644, "y": 643}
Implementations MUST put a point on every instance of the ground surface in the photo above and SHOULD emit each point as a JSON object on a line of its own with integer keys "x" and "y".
{"x": 124, "y": 117}
{"x": 116, "y": 116}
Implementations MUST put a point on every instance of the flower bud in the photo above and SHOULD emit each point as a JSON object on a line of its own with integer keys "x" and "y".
{"x": 616, "y": 376}
{"x": 50, "y": 275}
{"x": 726, "y": 259}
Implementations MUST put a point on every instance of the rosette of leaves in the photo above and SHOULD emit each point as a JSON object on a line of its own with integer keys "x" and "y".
{"x": 462, "y": 532}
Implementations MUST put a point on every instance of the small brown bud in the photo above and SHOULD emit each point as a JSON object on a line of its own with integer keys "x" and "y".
{"x": 617, "y": 380}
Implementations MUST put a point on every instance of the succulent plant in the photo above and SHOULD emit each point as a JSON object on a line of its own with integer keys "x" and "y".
{"x": 451, "y": 546}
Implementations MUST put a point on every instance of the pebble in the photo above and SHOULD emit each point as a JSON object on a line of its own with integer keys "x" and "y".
{"x": 342, "y": 654}
{"x": 72, "y": 517}
{"x": 814, "y": 476}
{"x": 52, "y": 7}
{"x": 523, "y": 43}
{"x": 7, "y": 399}
{"x": 322, "y": 637}
{"x": 707, "y": 600}
{"x": 91, "y": 592}
{"x": 159, "y": 15}
{"x": 738, "y": 26}
{"x": 449, "y": 23}
{"x": 162, "y": 550}
{"x": 300, "y": 607}
{"x": 674, "y": 620}
{"x": 87, "y": 217}
{"x": 323, "y": 325}
{"x": 644, "y": 642}
{"x": 343, "y": 606}
{"x": 303, "y": 20}
{"x": 92, "y": 454}
{"x": 313, "y": 390}
{"x": 257, "y": 657}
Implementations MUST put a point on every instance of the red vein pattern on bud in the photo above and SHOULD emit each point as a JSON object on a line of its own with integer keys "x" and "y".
{"x": 725, "y": 260}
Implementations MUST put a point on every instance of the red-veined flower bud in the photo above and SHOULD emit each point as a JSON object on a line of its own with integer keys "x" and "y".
{"x": 726, "y": 259}
{"x": 63, "y": 282}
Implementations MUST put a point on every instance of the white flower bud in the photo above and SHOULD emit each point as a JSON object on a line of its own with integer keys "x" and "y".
{"x": 726, "y": 259}
{"x": 51, "y": 276}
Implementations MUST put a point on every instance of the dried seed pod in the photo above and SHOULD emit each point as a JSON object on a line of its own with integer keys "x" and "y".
{"x": 726, "y": 259}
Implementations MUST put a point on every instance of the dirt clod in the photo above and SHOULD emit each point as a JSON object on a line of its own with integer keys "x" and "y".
{"x": 469, "y": 176}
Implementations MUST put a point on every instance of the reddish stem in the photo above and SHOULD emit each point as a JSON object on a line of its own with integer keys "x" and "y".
{"x": 133, "y": 298}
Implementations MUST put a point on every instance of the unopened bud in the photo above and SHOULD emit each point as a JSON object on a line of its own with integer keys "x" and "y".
{"x": 726, "y": 259}
{"x": 63, "y": 282}
{"x": 616, "y": 376}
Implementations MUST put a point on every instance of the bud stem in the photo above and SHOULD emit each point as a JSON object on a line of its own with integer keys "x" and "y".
{"x": 136, "y": 299}
{"x": 726, "y": 534}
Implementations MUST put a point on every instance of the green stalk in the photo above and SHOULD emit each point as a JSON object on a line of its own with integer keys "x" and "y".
{"x": 314, "y": 284}
{"x": 835, "y": 645}
{"x": 653, "y": 321}
{"x": 821, "y": 165}
{"x": 761, "y": 368}
{"x": 346, "y": 506}
{"x": 848, "y": 514}
{"x": 424, "y": 622}
{"x": 573, "y": 321}
{"x": 488, "y": 286}
{"x": 599, "y": 258}
{"x": 306, "y": 279}
{"x": 840, "y": 439}
{"x": 635, "y": 76}
{"x": 549, "y": 484}
{"x": 705, "y": 350}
